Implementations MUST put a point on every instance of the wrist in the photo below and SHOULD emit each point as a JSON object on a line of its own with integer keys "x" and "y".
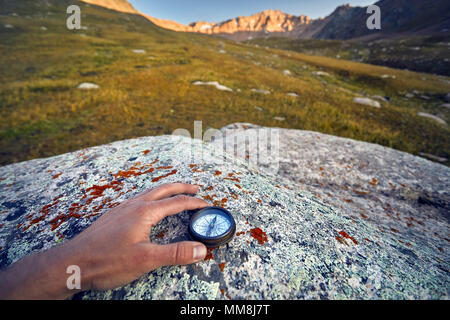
{"x": 44, "y": 275}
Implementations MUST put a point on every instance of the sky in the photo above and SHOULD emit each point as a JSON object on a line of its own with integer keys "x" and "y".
{"x": 185, "y": 11}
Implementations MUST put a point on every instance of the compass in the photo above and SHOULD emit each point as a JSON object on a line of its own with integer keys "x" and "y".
{"x": 213, "y": 226}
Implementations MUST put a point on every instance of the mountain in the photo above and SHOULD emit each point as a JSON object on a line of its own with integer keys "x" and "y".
{"x": 117, "y": 5}
{"x": 257, "y": 25}
{"x": 399, "y": 17}
{"x": 125, "y": 6}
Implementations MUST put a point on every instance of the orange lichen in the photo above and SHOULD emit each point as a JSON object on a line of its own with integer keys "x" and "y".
{"x": 165, "y": 175}
{"x": 57, "y": 175}
{"x": 160, "y": 235}
{"x": 208, "y": 198}
{"x": 209, "y": 254}
{"x": 373, "y": 182}
{"x": 259, "y": 235}
{"x": 146, "y": 152}
{"x": 217, "y": 173}
{"x": 346, "y": 236}
{"x": 222, "y": 266}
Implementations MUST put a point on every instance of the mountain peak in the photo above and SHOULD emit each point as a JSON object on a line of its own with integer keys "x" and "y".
{"x": 117, "y": 5}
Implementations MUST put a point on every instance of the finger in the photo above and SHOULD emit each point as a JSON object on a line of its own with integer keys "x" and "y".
{"x": 170, "y": 206}
{"x": 168, "y": 190}
{"x": 178, "y": 253}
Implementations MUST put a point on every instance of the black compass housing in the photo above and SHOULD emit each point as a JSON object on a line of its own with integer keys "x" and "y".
{"x": 216, "y": 241}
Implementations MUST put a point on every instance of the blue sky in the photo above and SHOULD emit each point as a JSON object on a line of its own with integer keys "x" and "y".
{"x": 185, "y": 11}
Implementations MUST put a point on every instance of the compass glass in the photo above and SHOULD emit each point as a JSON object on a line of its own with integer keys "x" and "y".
{"x": 213, "y": 226}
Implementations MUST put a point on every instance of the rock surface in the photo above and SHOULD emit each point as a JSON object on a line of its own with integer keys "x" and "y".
{"x": 289, "y": 245}
{"x": 88, "y": 86}
{"x": 214, "y": 84}
{"x": 367, "y": 102}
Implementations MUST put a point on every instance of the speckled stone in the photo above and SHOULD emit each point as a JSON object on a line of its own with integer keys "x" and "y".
{"x": 311, "y": 249}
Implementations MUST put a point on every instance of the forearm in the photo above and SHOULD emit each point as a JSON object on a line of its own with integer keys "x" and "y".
{"x": 39, "y": 276}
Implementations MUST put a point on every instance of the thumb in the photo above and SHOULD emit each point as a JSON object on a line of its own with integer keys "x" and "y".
{"x": 180, "y": 253}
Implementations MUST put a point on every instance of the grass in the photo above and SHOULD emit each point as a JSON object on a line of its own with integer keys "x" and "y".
{"x": 44, "y": 114}
{"x": 423, "y": 54}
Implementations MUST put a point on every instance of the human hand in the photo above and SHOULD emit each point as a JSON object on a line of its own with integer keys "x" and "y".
{"x": 115, "y": 249}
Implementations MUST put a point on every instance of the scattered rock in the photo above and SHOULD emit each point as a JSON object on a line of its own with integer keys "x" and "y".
{"x": 433, "y": 157}
{"x": 387, "y": 76}
{"x": 321, "y": 73}
{"x": 44, "y": 28}
{"x": 8, "y": 26}
{"x": 292, "y": 94}
{"x": 279, "y": 118}
{"x": 262, "y": 91}
{"x": 433, "y": 117}
{"x": 367, "y": 102}
{"x": 139, "y": 51}
{"x": 212, "y": 83}
{"x": 384, "y": 99}
{"x": 88, "y": 86}
{"x": 258, "y": 108}
{"x": 287, "y": 72}
{"x": 445, "y": 105}
{"x": 409, "y": 95}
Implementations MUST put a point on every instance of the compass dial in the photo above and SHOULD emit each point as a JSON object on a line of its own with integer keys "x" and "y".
{"x": 213, "y": 226}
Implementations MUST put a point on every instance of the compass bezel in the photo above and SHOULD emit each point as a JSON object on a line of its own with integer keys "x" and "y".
{"x": 217, "y": 240}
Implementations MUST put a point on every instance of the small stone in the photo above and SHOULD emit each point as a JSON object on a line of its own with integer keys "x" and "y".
{"x": 433, "y": 157}
{"x": 88, "y": 86}
{"x": 279, "y": 118}
{"x": 292, "y": 94}
{"x": 320, "y": 73}
{"x": 139, "y": 51}
{"x": 261, "y": 91}
{"x": 287, "y": 72}
{"x": 433, "y": 117}
{"x": 212, "y": 83}
{"x": 367, "y": 102}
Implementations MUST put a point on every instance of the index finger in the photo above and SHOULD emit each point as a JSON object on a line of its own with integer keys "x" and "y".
{"x": 170, "y": 206}
{"x": 168, "y": 190}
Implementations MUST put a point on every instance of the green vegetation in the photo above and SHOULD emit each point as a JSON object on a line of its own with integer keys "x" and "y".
{"x": 423, "y": 54}
{"x": 43, "y": 113}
